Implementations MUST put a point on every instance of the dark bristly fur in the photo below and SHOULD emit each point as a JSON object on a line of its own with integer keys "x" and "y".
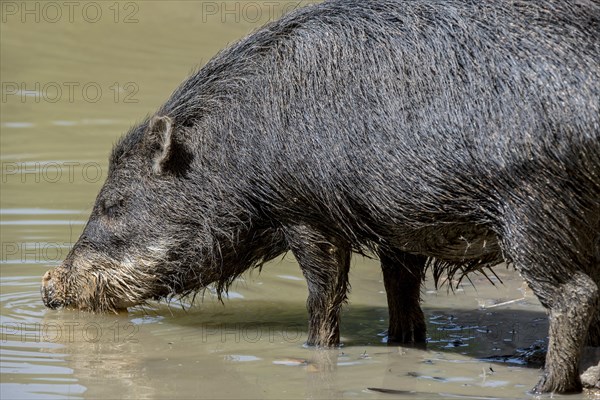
{"x": 465, "y": 133}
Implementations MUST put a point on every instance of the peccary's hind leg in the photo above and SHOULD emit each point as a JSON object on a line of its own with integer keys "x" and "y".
{"x": 403, "y": 274}
{"x": 325, "y": 262}
{"x": 556, "y": 273}
{"x": 570, "y": 315}
{"x": 593, "y": 338}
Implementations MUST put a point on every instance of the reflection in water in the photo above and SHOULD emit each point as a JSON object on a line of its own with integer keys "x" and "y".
{"x": 49, "y": 390}
{"x": 33, "y": 362}
{"x": 100, "y": 356}
{"x": 321, "y": 375}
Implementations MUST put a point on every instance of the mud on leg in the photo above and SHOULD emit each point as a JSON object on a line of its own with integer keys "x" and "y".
{"x": 325, "y": 262}
{"x": 556, "y": 272}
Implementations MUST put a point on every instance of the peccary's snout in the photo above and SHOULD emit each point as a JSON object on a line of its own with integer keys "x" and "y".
{"x": 49, "y": 291}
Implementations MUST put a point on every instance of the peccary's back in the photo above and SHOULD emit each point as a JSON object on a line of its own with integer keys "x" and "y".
{"x": 438, "y": 106}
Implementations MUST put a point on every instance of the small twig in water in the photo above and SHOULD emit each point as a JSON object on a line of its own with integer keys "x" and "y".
{"x": 503, "y": 303}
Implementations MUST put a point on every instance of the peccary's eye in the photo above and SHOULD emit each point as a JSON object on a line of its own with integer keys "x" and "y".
{"x": 111, "y": 207}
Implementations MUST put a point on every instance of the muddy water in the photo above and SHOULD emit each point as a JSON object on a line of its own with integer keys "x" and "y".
{"x": 75, "y": 76}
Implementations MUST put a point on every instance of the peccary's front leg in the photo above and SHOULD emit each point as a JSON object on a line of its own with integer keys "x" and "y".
{"x": 325, "y": 262}
{"x": 403, "y": 274}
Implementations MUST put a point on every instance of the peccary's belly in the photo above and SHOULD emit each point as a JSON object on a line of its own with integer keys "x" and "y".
{"x": 453, "y": 243}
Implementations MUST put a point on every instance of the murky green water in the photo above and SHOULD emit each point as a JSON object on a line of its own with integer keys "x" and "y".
{"x": 75, "y": 76}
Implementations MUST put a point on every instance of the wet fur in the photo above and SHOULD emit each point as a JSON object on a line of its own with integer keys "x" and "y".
{"x": 463, "y": 132}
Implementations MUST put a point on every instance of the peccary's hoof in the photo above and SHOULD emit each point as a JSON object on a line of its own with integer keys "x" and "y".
{"x": 547, "y": 385}
{"x": 590, "y": 379}
{"x": 317, "y": 346}
{"x": 400, "y": 340}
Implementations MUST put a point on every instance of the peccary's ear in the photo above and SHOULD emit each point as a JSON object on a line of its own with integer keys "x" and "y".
{"x": 168, "y": 151}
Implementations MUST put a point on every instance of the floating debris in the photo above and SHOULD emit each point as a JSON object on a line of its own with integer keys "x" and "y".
{"x": 394, "y": 391}
{"x": 534, "y": 356}
{"x": 292, "y": 362}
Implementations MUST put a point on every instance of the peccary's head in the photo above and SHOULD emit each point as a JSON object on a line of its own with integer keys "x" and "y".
{"x": 158, "y": 228}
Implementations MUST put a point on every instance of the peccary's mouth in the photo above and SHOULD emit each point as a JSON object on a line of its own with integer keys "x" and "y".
{"x": 49, "y": 292}
{"x": 93, "y": 293}
{"x": 48, "y": 298}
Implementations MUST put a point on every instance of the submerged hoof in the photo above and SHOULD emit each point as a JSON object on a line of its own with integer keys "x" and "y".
{"x": 590, "y": 379}
{"x": 565, "y": 386}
